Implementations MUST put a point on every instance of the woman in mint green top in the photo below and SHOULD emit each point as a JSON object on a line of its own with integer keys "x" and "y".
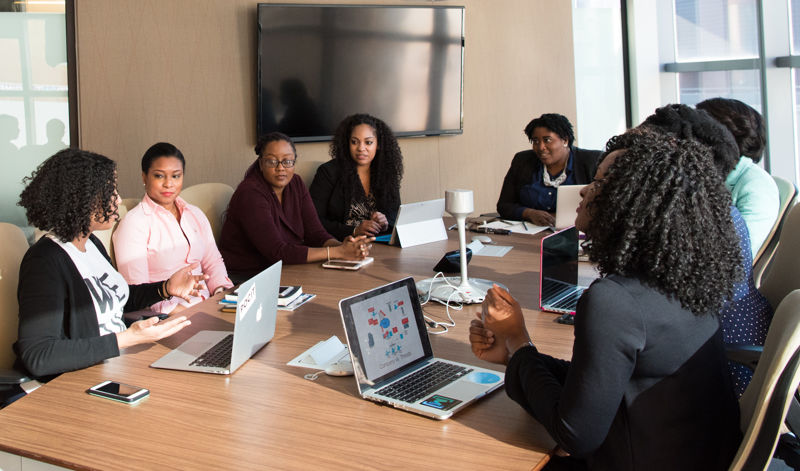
{"x": 753, "y": 190}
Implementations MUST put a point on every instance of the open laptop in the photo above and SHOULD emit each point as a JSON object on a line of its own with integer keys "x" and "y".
{"x": 392, "y": 357}
{"x": 558, "y": 272}
{"x": 568, "y": 197}
{"x": 419, "y": 223}
{"x": 222, "y": 352}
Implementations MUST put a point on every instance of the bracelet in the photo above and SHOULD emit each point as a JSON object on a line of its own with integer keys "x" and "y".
{"x": 162, "y": 291}
{"x": 328, "y": 250}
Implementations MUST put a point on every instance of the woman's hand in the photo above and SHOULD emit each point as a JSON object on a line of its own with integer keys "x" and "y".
{"x": 538, "y": 217}
{"x": 368, "y": 227}
{"x": 185, "y": 285}
{"x": 150, "y": 330}
{"x": 484, "y": 345}
{"x": 502, "y": 315}
{"x": 353, "y": 248}
{"x": 381, "y": 220}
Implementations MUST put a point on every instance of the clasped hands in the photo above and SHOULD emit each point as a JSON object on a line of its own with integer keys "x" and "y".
{"x": 182, "y": 284}
{"x": 500, "y": 328}
{"x": 376, "y": 224}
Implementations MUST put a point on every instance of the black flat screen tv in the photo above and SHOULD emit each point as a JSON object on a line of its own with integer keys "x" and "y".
{"x": 320, "y": 63}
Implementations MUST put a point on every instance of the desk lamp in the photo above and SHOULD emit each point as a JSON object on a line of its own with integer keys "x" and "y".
{"x": 452, "y": 289}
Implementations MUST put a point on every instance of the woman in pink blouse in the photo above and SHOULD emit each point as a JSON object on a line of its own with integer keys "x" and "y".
{"x": 164, "y": 233}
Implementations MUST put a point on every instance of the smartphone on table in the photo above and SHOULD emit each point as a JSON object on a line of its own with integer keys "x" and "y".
{"x": 347, "y": 264}
{"x": 119, "y": 392}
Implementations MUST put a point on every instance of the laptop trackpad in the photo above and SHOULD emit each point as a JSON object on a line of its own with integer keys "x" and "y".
{"x": 463, "y": 390}
{"x": 194, "y": 348}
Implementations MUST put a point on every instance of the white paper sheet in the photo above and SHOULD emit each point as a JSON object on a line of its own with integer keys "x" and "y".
{"x": 478, "y": 248}
{"x": 516, "y": 227}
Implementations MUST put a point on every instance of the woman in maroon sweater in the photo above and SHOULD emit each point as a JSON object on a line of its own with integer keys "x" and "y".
{"x": 271, "y": 217}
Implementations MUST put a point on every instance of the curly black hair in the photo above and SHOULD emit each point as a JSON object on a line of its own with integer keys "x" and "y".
{"x": 661, "y": 214}
{"x": 68, "y": 190}
{"x": 685, "y": 122}
{"x": 161, "y": 149}
{"x": 745, "y": 123}
{"x": 556, "y": 123}
{"x": 386, "y": 170}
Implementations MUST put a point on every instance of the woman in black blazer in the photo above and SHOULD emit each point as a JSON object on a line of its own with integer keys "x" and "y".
{"x": 358, "y": 191}
{"x": 529, "y": 192}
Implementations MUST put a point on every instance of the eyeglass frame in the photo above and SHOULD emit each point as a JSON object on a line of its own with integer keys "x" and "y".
{"x": 264, "y": 161}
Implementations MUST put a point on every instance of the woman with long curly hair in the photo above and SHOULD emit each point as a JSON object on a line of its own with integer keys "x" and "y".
{"x": 71, "y": 299}
{"x": 647, "y": 386}
{"x": 358, "y": 191}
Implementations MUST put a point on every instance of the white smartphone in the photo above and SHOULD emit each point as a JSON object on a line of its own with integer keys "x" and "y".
{"x": 347, "y": 264}
{"x": 119, "y": 392}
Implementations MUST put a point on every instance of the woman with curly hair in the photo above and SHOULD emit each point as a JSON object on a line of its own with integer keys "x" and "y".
{"x": 530, "y": 187}
{"x": 753, "y": 190}
{"x": 647, "y": 386}
{"x": 164, "y": 232}
{"x": 71, "y": 299}
{"x": 271, "y": 217}
{"x": 358, "y": 191}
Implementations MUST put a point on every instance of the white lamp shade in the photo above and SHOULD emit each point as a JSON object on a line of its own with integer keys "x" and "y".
{"x": 458, "y": 202}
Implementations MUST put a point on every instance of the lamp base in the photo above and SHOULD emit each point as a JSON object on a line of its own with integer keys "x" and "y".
{"x": 451, "y": 289}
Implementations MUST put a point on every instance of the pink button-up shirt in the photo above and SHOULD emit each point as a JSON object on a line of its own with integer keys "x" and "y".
{"x": 150, "y": 245}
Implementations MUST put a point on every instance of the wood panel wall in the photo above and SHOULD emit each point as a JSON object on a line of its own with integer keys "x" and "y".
{"x": 184, "y": 71}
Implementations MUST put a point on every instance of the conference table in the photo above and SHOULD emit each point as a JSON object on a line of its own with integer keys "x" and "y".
{"x": 268, "y": 416}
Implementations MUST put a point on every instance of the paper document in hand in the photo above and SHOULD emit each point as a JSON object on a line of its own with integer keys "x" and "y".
{"x": 516, "y": 227}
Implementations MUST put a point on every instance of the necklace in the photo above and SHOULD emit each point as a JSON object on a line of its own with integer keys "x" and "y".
{"x": 558, "y": 180}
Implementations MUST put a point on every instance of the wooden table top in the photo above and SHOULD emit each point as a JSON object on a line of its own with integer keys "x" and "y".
{"x": 266, "y": 415}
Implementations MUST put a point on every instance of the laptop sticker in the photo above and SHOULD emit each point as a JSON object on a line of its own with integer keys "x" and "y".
{"x": 247, "y": 301}
{"x": 481, "y": 377}
{"x": 440, "y": 402}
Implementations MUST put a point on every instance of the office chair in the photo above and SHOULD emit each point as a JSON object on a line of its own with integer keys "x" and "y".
{"x": 787, "y": 194}
{"x": 782, "y": 276}
{"x": 12, "y": 250}
{"x": 105, "y": 236}
{"x": 766, "y": 400}
{"x": 212, "y": 199}
{"x": 130, "y": 203}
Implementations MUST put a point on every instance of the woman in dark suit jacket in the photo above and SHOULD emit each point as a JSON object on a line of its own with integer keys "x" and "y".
{"x": 529, "y": 193}
{"x": 358, "y": 191}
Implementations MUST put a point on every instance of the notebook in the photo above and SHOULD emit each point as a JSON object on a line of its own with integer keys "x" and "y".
{"x": 393, "y": 360}
{"x": 558, "y": 272}
{"x": 568, "y": 198}
{"x": 223, "y": 352}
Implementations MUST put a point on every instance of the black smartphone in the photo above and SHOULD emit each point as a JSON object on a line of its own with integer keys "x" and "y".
{"x": 119, "y": 392}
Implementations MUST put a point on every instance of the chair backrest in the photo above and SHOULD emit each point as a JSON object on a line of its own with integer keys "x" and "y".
{"x": 783, "y": 274}
{"x": 787, "y": 194}
{"x": 105, "y": 236}
{"x": 212, "y": 199}
{"x": 766, "y": 400}
{"x": 130, "y": 203}
{"x": 12, "y": 250}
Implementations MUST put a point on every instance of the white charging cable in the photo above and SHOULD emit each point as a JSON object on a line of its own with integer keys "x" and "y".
{"x": 449, "y": 304}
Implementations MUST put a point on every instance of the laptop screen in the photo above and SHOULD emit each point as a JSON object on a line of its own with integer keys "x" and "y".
{"x": 559, "y": 262}
{"x": 385, "y": 330}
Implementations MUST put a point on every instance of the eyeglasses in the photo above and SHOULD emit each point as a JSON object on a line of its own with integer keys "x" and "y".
{"x": 271, "y": 163}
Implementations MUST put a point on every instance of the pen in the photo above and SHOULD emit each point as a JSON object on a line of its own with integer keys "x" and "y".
{"x": 524, "y": 225}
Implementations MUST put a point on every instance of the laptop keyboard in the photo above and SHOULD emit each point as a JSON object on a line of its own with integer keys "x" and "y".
{"x": 218, "y": 356}
{"x": 422, "y": 382}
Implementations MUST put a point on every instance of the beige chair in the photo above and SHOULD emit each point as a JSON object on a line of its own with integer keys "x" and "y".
{"x": 12, "y": 250}
{"x": 783, "y": 274}
{"x": 766, "y": 400}
{"x": 130, "y": 203}
{"x": 105, "y": 236}
{"x": 212, "y": 199}
{"x": 787, "y": 194}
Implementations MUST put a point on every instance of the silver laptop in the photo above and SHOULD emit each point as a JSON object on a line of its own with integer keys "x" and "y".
{"x": 558, "y": 272}
{"x": 222, "y": 352}
{"x": 392, "y": 357}
{"x": 568, "y": 197}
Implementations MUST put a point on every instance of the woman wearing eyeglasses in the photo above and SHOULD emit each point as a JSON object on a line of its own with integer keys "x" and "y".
{"x": 164, "y": 233}
{"x": 358, "y": 191}
{"x": 271, "y": 217}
